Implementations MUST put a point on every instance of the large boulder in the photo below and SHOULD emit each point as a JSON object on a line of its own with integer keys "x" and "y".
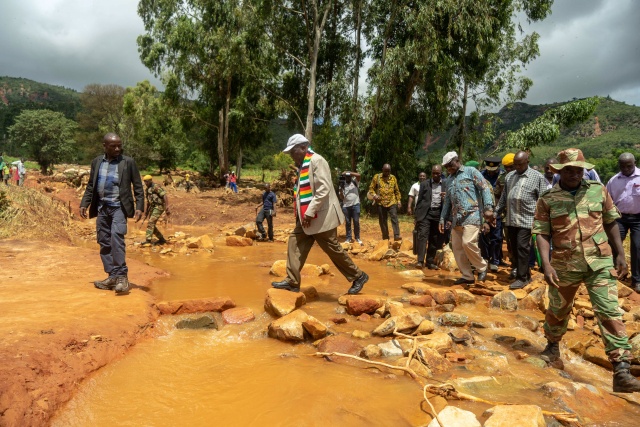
{"x": 404, "y": 323}
{"x": 280, "y": 302}
{"x": 505, "y": 300}
{"x": 452, "y": 416}
{"x": 379, "y": 250}
{"x": 391, "y": 349}
{"x": 358, "y": 304}
{"x": 425, "y": 328}
{"x": 238, "y": 241}
{"x": 238, "y": 315}
{"x": 279, "y": 268}
{"x": 445, "y": 259}
{"x": 445, "y": 296}
{"x": 315, "y": 328}
{"x": 241, "y": 231}
{"x": 289, "y": 327}
{"x": 434, "y": 360}
{"x": 195, "y": 305}
{"x": 438, "y": 341}
{"x": 339, "y": 344}
{"x": 515, "y": 415}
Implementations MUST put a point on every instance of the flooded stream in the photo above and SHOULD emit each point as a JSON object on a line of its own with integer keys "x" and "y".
{"x": 240, "y": 377}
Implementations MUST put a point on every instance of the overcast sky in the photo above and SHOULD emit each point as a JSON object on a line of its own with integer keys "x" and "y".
{"x": 587, "y": 47}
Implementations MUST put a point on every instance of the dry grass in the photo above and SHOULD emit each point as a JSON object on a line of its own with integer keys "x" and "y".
{"x": 33, "y": 215}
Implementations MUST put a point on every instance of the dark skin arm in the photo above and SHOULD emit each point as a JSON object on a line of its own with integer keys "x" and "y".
{"x": 550, "y": 274}
{"x": 613, "y": 234}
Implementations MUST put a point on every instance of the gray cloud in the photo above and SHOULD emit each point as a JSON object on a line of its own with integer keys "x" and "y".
{"x": 587, "y": 47}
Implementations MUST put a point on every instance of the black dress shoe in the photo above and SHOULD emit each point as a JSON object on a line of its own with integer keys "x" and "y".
{"x": 285, "y": 285}
{"x": 358, "y": 284}
{"x": 463, "y": 281}
{"x": 432, "y": 267}
{"x": 418, "y": 265}
{"x": 513, "y": 274}
{"x": 482, "y": 276}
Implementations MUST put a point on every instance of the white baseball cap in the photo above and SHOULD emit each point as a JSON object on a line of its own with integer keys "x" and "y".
{"x": 293, "y": 141}
{"x": 448, "y": 157}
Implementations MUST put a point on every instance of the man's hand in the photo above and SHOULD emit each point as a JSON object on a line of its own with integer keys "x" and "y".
{"x": 551, "y": 276}
{"x": 306, "y": 221}
{"x": 137, "y": 215}
{"x": 409, "y": 211}
{"x": 442, "y": 227}
{"x": 83, "y": 212}
{"x": 486, "y": 228}
{"x": 621, "y": 267}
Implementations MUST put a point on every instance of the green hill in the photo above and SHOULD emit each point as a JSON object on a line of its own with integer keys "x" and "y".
{"x": 614, "y": 127}
{"x": 17, "y": 94}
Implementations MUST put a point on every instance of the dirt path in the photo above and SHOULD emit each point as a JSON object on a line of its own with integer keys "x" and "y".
{"x": 56, "y": 328}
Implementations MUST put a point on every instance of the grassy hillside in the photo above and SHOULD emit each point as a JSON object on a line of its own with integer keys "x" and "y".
{"x": 17, "y": 94}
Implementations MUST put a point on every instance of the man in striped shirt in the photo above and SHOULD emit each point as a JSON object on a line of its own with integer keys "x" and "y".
{"x": 523, "y": 187}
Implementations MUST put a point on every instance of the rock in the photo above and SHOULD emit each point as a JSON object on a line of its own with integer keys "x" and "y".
{"x": 445, "y": 259}
{"x": 310, "y": 293}
{"x": 635, "y": 347}
{"x": 400, "y": 323}
{"x": 315, "y": 328}
{"x": 417, "y": 288}
{"x": 280, "y": 302}
{"x": 460, "y": 336}
{"x": 379, "y": 250}
{"x": 358, "y": 304}
{"x": 520, "y": 355}
{"x": 339, "y": 344}
{"x": 455, "y": 357}
{"x": 238, "y": 241}
{"x": 389, "y": 254}
{"x": 535, "y": 361}
{"x": 289, "y": 327}
{"x": 452, "y": 416}
{"x": 251, "y": 234}
{"x": 417, "y": 367}
{"x": 504, "y": 339}
{"x": 434, "y": 360}
{"x": 166, "y": 251}
{"x": 395, "y": 308}
{"x": 584, "y": 399}
{"x": 453, "y": 319}
{"x": 311, "y": 270}
{"x": 519, "y": 293}
{"x": 445, "y": 308}
{"x": 528, "y": 303}
{"x": 522, "y": 345}
{"x": 623, "y": 290}
{"x": 421, "y": 301}
{"x": 515, "y": 415}
{"x": 241, "y": 231}
{"x": 442, "y": 296}
{"x": 425, "y": 328}
{"x": 338, "y": 320}
{"x": 527, "y": 322}
{"x": 406, "y": 245}
{"x": 204, "y": 242}
{"x": 203, "y": 322}
{"x": 371, "y": 351}
{"x": 438, "y": 341}
{"x": 279, "y": 268}
{"x": 597, "y": 355}
{"x": 505, "y": 300}
{"x": 465, "y": 297}
{"x": 238, "y": 315}
{"x": 391, "y": 349}
{"x": 192, "y": 243}
{"x": 492, "y": 364}
{"x": 195, "y": 305}
{"x": 360, "y": 334}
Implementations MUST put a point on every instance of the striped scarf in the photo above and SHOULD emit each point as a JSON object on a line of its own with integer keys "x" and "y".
{"x": 302, "y": 190}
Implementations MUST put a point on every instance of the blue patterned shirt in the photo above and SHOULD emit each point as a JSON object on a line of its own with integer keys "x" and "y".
{"x": 467, "y": 192}
{"x": 109, "y": 182}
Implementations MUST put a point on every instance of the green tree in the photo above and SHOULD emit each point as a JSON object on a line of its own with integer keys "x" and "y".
{"x": 47, "y": 136}
{"x": 158, "y": 136}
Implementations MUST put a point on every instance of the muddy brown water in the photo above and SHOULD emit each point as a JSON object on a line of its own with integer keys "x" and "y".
{"x": 240, "y": 377}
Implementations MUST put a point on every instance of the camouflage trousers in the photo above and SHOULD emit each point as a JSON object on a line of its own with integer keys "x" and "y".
{"x": 156, "y": 212}
{"x": 603, "y": 293}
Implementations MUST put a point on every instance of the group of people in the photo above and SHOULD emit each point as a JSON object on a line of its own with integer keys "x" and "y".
{"x": 14, "y": 172}
{"x": 579, "y": 226}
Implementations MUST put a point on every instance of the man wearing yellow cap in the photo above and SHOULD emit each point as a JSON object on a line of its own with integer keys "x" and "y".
{"x": 157, "y": 203}
{"x": 507, "y": 162}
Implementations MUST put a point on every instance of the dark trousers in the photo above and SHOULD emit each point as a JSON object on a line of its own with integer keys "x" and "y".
{"x": 520, "y": 249}
{"x": 262, "y": 215}
{"x": 429, "y": 238}
{"x": 631, "y": 222}
{"x": 352, "y": 213}
{"x": 383, "y": 214}
{"x": 111, "y": 227}
{"x": 491, "y": 244}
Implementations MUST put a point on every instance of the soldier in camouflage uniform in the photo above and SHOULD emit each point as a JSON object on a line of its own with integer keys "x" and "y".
{"x": 579, "y": 217}
{"x": 157, "y": 203}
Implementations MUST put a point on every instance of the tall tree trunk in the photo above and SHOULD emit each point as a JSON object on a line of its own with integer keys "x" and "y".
{"x": 318, "y": 27}
{"x": 356, "y": 84}
{"x": 239, "y": 163}
{"x": 462, "y": 124}
{"x": 226, "y": 125}
{"x": 223, "y": 170}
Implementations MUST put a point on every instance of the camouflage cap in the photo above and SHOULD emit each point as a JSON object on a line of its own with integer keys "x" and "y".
{"x": 571, "y": 157}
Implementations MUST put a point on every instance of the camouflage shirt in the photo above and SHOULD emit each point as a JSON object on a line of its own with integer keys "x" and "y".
{"x": 155, "y": 195}
{"x": 575, "y": 224}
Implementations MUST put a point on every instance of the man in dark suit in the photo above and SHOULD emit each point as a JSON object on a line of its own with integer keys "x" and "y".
{"x": 427, "y": 217}
{"x": 109, "y": 196}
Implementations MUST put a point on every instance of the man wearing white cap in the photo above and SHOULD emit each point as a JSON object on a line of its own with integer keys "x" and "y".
{"x": 468, "y": 194}
{"x": 318, "y": 215}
